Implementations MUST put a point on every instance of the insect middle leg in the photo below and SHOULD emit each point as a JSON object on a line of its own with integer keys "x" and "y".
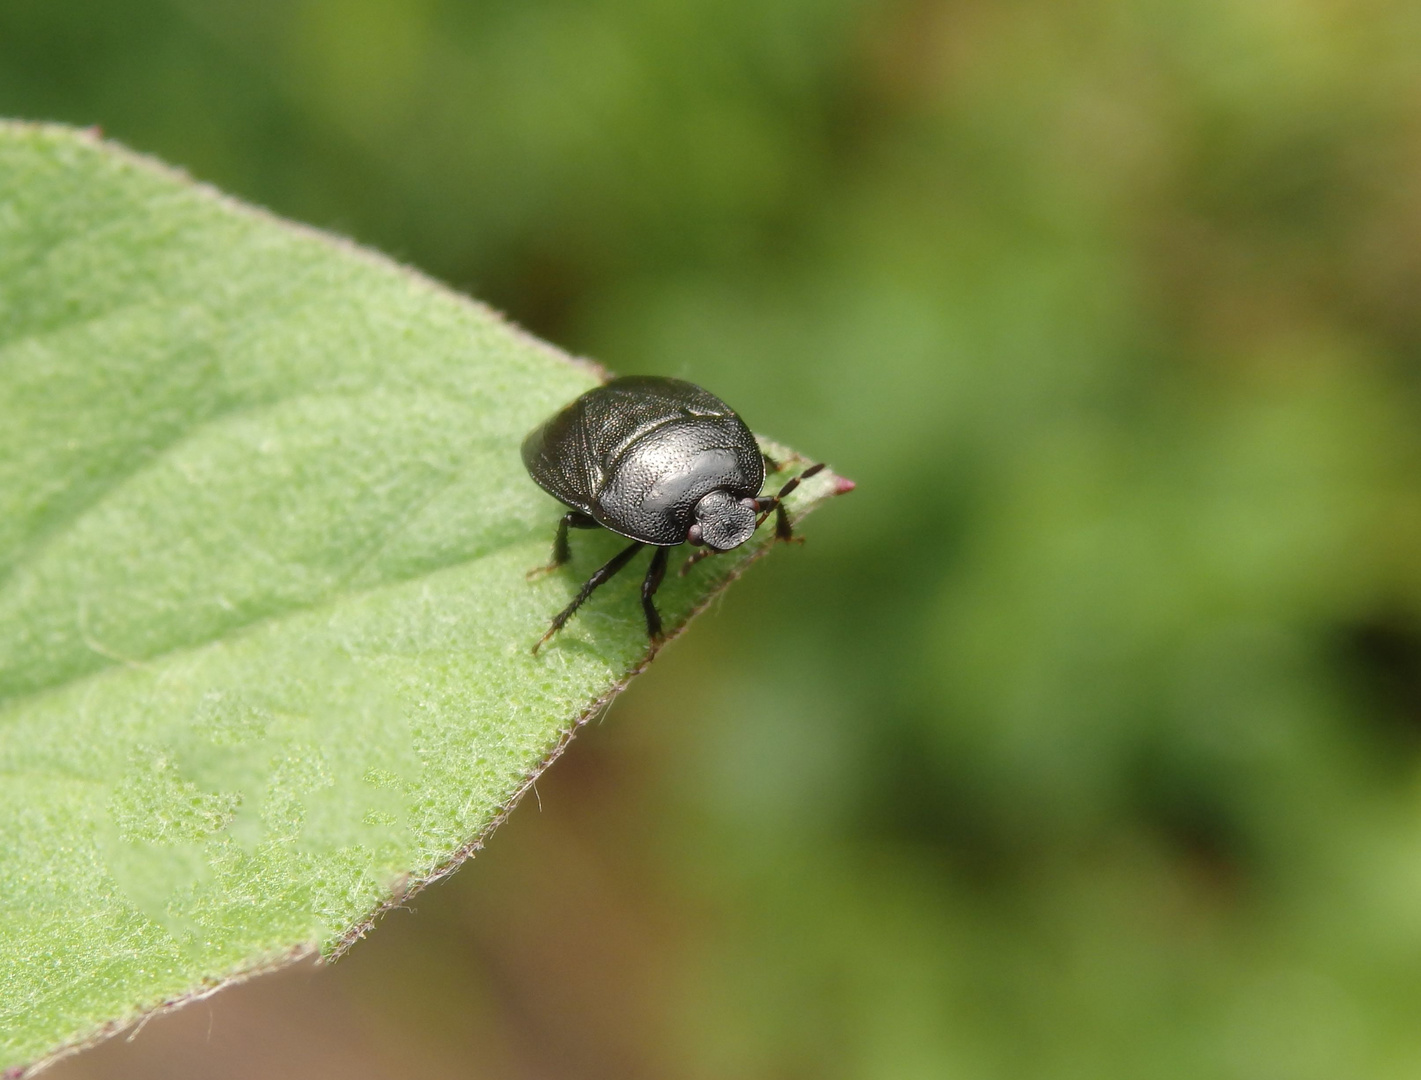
{"x": 654, "y": 573}
{"x": 573, "y": 519}
{"x": 605, "y": 572}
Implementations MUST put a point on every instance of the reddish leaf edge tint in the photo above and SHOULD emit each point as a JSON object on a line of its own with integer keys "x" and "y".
{"x": 407, "y": 888}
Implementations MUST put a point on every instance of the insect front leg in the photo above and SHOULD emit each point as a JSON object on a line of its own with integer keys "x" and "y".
{"x": 573, "y": 519}
{"x": 766, "y": 503}
{"x": 695, "y": 557}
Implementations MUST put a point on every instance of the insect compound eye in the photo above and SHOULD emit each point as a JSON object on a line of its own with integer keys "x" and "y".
{"x": 725, "y": 521}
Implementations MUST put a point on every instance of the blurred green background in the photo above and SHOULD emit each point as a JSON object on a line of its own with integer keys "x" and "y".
{"x": 1084, "y": 739}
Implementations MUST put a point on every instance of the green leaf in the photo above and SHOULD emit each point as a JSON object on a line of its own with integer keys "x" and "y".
{"x": 264, "y": 629}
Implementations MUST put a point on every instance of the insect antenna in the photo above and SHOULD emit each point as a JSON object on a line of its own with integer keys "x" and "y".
{"x": 765, "y": 505}
{"x": 775, "y": 504}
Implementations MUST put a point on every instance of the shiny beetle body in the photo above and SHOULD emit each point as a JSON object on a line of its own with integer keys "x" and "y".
{"x": 639, "y": 454}
{"x": 659, "y": 461}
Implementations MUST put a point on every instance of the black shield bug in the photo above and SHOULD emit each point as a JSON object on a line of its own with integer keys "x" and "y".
{"x": 661, "y": 462}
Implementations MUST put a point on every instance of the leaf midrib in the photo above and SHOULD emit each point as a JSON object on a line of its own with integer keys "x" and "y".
{"x": 32, "y": 551}
{"x": 13, "y": 704}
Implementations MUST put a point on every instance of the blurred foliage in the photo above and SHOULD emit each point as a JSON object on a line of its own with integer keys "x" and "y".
{"x": 1082, "y": 741}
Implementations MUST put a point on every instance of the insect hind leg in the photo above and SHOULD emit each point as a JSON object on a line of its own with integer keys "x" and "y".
{"x": 604, "y": 573}
{"x": 573, "y": 519}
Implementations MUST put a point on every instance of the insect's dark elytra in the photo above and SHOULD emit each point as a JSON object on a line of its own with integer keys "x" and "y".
{"x": 638, "y": 453}
{"x": 658, "y": 460}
